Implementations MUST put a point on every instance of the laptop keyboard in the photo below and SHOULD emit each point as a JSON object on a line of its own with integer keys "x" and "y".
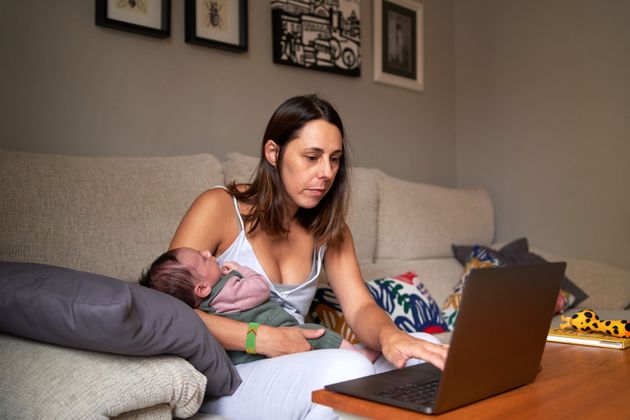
{"x": 422, "y": 393}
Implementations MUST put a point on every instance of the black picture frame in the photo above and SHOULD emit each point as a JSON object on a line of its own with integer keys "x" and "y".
{"x": 318, "y": 35}
{"x": 398, "y": 43}
{"x": 146, "y": 17}
{"x": 207, "y": 29}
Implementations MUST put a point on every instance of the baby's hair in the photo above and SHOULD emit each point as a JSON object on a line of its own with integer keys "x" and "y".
{"x": 168, "y": 275}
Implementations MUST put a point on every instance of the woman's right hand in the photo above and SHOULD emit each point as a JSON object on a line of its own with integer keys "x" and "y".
{"x": 278, "y": 341}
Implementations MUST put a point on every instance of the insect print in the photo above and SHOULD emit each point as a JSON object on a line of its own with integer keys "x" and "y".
{"x": 132, "y": 4}
{"x": 213, "y": 10}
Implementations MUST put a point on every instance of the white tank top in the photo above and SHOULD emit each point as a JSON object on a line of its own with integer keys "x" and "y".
{"x": 294, "y": 299}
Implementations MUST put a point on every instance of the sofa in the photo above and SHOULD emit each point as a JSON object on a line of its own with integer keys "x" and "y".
{"x": 92, "y": 220}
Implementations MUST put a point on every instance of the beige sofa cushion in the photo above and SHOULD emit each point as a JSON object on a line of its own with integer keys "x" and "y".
{"x": 362, "y": 215}
{"x": 47, "y": 381}
{"x": 606, "y": 286}
{"x": 363, "y": 212}
{"x": 107, "y": 215}
{"x": 422, "y": 221}
{"x": 238, "y": 167}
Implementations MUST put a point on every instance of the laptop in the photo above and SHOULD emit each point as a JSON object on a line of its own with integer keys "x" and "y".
{"x": 497, "y": 344}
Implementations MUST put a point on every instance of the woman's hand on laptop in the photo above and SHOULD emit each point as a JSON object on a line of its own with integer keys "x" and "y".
{"x": 398, "y": 347}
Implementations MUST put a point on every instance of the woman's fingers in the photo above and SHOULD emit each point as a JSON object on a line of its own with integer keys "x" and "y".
{"x": 402, "y": 347}
{"x": 272, "y": 341}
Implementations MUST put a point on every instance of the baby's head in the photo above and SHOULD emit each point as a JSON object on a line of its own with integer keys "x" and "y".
{"x": 185, "y": 273}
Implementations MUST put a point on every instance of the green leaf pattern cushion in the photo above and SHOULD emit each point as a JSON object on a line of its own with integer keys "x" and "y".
{"x": 403, "y": 297}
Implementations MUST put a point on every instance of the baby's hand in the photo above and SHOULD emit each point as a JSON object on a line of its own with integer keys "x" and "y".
{"x": 229, "y": 266}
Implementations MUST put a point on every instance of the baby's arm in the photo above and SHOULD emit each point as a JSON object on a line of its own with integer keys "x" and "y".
{"x": 240, "y": 294}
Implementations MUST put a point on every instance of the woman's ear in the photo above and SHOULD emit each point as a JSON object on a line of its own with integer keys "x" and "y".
{"x": 271, "y": 152}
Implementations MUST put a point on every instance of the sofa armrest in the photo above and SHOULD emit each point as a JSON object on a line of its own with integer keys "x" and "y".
{"x": 607, "y": 287}
{"x": 47, "y": 381}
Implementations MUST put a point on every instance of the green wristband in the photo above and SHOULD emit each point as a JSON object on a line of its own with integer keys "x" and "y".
{"x": 250, "y": 338}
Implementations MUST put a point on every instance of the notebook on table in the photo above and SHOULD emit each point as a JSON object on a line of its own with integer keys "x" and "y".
{"x": 497, "y": 344}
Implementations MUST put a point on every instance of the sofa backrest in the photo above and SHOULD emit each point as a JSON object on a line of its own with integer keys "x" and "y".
{"x": 114, "y": 215}
{"x": 419, "y": 221}
{"x": 109, "y": 215}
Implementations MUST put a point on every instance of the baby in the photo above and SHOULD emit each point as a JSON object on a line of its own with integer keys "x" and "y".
{"x": 235, "y": 291}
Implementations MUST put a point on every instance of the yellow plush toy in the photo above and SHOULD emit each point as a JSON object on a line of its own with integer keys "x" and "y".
{"x": 587, "y": 320}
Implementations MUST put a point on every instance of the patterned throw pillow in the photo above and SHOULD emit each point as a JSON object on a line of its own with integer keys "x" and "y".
{"x": 403, "y": 297}
{"x": 565, "y": 301}
{"x": 408, "y": 302}
{"x": 325, "y": 310}
{"x": 517, "y": 253}
{"x": 480, "y": 257}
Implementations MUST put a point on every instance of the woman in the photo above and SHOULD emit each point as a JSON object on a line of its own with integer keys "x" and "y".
{"x": 286, "y": 224}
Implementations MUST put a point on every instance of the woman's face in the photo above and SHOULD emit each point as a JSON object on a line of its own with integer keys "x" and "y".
{"x": 310, "y": 163}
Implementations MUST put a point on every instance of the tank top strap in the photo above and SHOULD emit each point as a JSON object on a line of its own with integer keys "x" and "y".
{"x": 241, "y": 224}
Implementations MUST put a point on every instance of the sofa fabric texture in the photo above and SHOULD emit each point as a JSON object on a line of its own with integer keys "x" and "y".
{"x": 109, "y": 215}
{"x": 112, "y": 216}
{"x": 42, "y": 380}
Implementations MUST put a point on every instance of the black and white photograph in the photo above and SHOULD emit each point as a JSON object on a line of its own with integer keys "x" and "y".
{"x": 398, "y": 43}
{"x": 217, "y": 23}
{"x": 146, "y": 17}
{"x": 318, "y": 34}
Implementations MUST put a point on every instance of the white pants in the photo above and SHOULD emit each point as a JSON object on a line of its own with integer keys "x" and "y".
{"x": 280, "y": 387}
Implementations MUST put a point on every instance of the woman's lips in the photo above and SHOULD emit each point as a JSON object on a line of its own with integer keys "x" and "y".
{"x": 316, "y": 191}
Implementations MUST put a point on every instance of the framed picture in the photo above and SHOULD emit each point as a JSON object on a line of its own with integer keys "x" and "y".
{"x": 398, "y": 43}
{"x": 217, "y": 23}
{"x": 318, "y": 35}
{"x": 147, "y": 17}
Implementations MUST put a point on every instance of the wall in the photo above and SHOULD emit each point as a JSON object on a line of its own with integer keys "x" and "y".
{"x": 71, "y": 87}
{"x": 543, "y": 120}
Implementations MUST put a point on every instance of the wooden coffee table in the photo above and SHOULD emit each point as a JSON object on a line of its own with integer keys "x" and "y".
{"x": 575, "y": 382}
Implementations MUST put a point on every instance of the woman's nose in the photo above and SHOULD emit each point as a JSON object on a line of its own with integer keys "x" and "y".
{"x": 326, "y": 170}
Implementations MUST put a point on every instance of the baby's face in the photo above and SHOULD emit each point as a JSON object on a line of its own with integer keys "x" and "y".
{"x": 201, "y": 262}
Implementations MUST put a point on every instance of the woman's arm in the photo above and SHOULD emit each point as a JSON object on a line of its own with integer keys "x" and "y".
{"x": 270, "y": 341}
{"x": 366, "y": 319}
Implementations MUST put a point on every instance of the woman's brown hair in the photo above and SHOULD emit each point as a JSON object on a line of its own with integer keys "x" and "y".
{"x": 266, "y": 195}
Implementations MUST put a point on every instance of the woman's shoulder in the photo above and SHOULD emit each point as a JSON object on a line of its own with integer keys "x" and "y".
{"x": 214, "y": 202}
{"x": 222, "y": 193}
{"x": 220, "y": 200}
{"x": 219, "y": 193}
{"x": 207, "y": 222}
